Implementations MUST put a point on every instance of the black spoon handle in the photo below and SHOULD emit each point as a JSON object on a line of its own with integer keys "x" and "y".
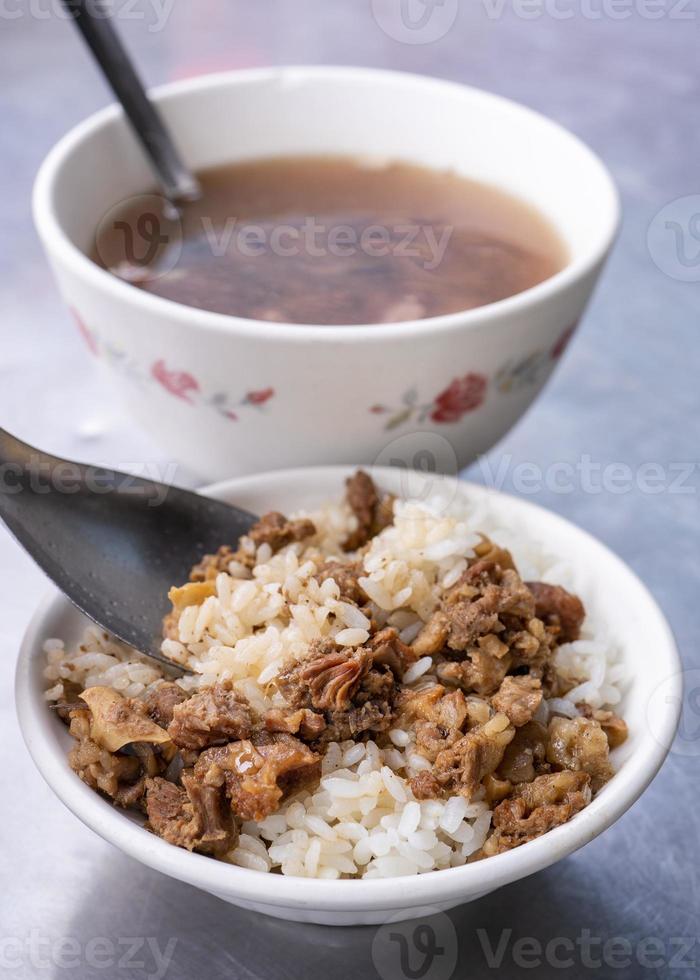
{"x": 94, "y": 23}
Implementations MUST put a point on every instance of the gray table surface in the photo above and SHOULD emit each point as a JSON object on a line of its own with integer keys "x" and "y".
{"x": 623, "y": 75}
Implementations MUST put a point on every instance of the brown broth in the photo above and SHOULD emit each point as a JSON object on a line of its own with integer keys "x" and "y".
{"x": 330, "y": 240}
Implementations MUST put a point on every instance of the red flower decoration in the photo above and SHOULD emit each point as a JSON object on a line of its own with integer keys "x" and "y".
{"x": 260, "y": 397}
{"x": 462, "y": 396}
{"x": 178, "y": 383}
{"x": 86, "y": 333}
{"x": 562, "y": 343}
{"x": 378, "y": 409}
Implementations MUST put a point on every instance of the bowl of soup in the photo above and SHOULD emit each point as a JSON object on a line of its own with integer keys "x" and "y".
{"x": 380, "y": 267}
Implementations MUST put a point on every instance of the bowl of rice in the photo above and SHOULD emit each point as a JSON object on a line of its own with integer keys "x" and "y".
{"x": 395, "y": 701}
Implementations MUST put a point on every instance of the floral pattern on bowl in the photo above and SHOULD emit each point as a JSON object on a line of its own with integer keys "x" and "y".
{"x": 467, "y": 393}
{"x": 462, "y": 395}
{"x": 180, "y": 384}
{"x": 531, "y": 369}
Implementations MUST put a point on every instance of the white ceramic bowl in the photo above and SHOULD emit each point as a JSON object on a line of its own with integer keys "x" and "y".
{"x": 269, "y": 395}
{"x": 619, "y": 597}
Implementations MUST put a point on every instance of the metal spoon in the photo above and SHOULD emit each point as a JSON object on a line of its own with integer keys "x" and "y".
{"x": 113, "y": 543}
{"x": 93, "y": 20}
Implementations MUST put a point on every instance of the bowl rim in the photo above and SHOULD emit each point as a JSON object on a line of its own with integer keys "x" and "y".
{"x": 57, "y": 241}
{"x": 431, "y": 888}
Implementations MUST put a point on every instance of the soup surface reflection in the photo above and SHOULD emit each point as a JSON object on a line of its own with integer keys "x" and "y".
{"x": 323, "y": 240}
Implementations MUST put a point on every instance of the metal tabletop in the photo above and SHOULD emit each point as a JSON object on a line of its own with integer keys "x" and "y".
{"x": 622, "y": 74}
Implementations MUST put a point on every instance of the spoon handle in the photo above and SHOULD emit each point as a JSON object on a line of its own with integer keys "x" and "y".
{"x": 94, "y": 23}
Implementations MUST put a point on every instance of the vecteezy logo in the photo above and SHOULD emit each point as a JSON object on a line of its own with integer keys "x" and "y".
{"x": 148, "y": 233}
{"x": 682, "y": 692}
{"x": 425, "y": 942}
{"x": 426, "y": 464}
{"x": 673, "y": 239}
{"x": 415, "y": 21}
{"x": 136, "y": 232}
{"x": 424, "y": 948}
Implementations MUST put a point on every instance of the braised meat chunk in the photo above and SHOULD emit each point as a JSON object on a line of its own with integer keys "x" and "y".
{"x": 485, "y": 628}
{"x": 525, "y": 757}
{"x": 535, "y": 808}
{"x": 160, "y": 702}
{"x": 488, "y": 551}
{"x": 116, "y": 721}
{"x": 580, "y": 744}
{"x": 425, "y": 786}
{"x": 256, "y": 775}
{"x": 328, "y": 679}
{"x": 481, "y": 671}
{"x": 614, "y": 727}
{"x": 354, "y": 688}
{"x": 346, "y": 576}
{"x": 487, "y": 599}
{"x": 214, "y": 716}
{"x": 273, "y": 529}
{"x": 518, "y": 697}
{"x": 433, "y": 636}
{"x": 389, "y": 650}
{"x": 194, "y": 816}
{"x": 436, "y": 717}
{"x": 562, "y": 612}
{"x": 461, "y": 768}
{"x": 117, "y": 775}
{"x": 118, "y": 745}
{"x": 277, "y": 531}
{"x": 307, "y": 724}
{"x": 434, "y": 706}
{"x": 209, "y": 567}
{"x": 373, "y": 511}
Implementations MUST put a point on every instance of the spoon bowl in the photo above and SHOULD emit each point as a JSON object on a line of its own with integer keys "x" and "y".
{"x": 112, "y": 542}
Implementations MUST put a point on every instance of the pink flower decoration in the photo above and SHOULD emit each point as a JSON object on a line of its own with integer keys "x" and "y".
{"x": 463, "y": 395}
{"x": 260, "y": 397}
{"x": 562, "y": 343}
{"x": 178, "y": 383}
{"x": 86, "y": 333}
{"x": 378, "y": 409}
